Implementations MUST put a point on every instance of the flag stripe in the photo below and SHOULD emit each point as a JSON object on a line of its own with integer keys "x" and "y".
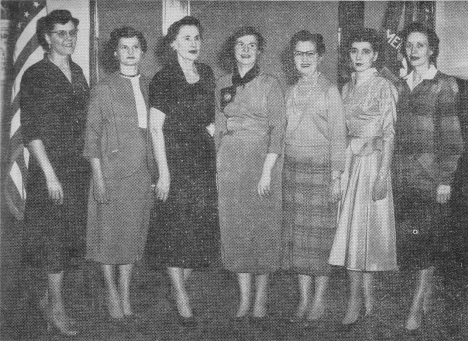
{"x": 28, "y": 33}
{"x": 33, "y": 58}
{"x": 29, "y": 49}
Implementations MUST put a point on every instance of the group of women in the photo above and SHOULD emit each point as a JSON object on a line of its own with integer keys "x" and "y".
{"x": 301, "y": 181}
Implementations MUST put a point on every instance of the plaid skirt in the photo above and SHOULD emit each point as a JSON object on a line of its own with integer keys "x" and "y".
{"x": 309, "y": 217}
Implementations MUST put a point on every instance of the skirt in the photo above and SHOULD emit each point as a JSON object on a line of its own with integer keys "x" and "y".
{"x": 309, "y": 216}
{"x": 365, "y": 239}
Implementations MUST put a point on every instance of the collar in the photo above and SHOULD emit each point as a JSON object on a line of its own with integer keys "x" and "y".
{"x": 429, "y": 74}
{"x": 364, "y": 75}
{"x": 237, "y": 80}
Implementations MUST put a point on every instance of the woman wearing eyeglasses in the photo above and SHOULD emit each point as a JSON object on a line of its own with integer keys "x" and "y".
{"x": 250, "y": 125}
{"x": 313, "y": 162}
{"x": 54, "y": 96}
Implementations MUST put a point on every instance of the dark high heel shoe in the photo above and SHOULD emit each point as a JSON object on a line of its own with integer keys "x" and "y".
{"x": 188, "y": 322}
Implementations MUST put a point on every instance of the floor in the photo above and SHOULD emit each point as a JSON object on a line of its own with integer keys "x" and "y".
{"x": 214, "y": 297}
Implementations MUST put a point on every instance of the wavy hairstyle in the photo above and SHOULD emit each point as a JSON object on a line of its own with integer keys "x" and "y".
{"x": 226, "y": 57}
{"x": 165, "y": 52}
{"x": 287, "y": 56}
{"x": 46, "y": 25}
{"x": 109, "y": 61}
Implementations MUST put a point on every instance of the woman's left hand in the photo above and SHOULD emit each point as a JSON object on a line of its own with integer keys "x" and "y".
{"x": 264, "y": 185}
{"x": 379, "y": 191}
{"x": 443, "y": 194}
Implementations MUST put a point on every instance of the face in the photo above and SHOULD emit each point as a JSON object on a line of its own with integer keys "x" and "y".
{"x": 362, "y": 56}
{"x": 62, "y": 40}
{"x": 187, "y": 43}
{"x": 417, "y": 49}
{"x": 306, "y": 57}
{"x": 246, "y": 50}
{"x": 129, "y": 52}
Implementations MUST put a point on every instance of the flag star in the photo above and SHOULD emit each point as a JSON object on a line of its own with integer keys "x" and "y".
{"x": 36, "y": 4}
{"x": 26, "y": 14}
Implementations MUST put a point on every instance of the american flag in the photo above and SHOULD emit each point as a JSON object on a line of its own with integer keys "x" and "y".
{"x": 27, "y": 51}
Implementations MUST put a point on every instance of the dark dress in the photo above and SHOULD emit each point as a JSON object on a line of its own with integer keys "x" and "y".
{"x": 53, "y": 110}
{"x": 184, "y": 230}
{"x": 428, "y": 145}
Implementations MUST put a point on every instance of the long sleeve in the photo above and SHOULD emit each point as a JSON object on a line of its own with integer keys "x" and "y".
{"x": 276, "y": 118}
{"x": 336, "y": 129}
{"x": 220, "y": 119}
{"x": 449, "y": 143}
{"x": 388, "y": 100}
{"x": 94, "y": 124}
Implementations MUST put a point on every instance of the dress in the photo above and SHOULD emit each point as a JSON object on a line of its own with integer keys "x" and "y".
{"x": 184, "y": 230}
{"x": 251, "y": 125}
{"x": 428, "y": 146}
{"x": 314, "y": 147}
{"x": 53, "y": 110}
{"x": 365, "y": 237}
{"x": 117, "y": 230}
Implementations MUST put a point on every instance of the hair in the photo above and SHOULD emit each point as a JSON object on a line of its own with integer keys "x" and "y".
{"x": 432, "y": 39}
{"x": 289, "y": 67}
{"x": 109, "y": 61}
{"x": 46, "y": 24}
{"x": 366, "y": 35}
{"x": 165, "y": 52}
{"x": 226, "y": 57}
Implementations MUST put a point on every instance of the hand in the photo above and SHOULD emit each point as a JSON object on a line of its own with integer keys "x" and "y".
{"x": 211, "y": 129}
{"x": 263, "y": 187}
{"x": 162, "y": 187}
{"x": 443, "y": 194}
{"x": 379, "y": 191}
{"x": 100, "y": 192}
{"x": 54, "y": 187}
{"x": 335, "y": 190}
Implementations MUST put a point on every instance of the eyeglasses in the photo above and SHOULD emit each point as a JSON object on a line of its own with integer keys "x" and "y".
{"x": 308, "y": 54}
{"x": 63, "y": 34}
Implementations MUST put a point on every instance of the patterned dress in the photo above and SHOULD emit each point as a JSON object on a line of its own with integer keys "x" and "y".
{"x": 365, "y": 238}
{"x": 314, "y": 147}
{"x": 428, "y": 146}
{"x": 249, "y": 127}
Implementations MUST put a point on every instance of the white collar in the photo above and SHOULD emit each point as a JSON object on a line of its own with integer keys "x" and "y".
{"x": 429, "y": 74}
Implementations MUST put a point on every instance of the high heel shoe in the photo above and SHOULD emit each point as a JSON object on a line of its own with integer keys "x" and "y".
{"x": 61, "y": 324}
{"x": 189, "y": 322}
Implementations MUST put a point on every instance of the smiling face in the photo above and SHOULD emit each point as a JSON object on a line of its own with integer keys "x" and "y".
{"x": 129, "y": 51}
{"x": 417, "y": 49}
{"x": 187, "y": 43}
{"x": 62, "y": 40}
{"x": 306, "y": 57}
{"x": 362, "y": 56}
{"x": 246, "y": 50}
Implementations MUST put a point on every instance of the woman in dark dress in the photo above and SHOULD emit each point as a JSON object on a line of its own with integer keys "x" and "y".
{"x": 54, "y": 95}
{"x": 428, "y": 145}
{"x": 184, "y": 232}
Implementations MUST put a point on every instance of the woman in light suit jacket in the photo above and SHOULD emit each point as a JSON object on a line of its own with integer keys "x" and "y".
{"x": 116, "y": 145}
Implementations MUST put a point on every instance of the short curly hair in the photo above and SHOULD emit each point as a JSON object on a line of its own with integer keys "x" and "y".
{"x": 109, "y": 61}
{"x": 431, "y": 35}
{"x": 226, "y": 57}
{"x": 164, "y": 51}
{"x": 46, "y": 25}
{"x": 366, "y": 35}
{"x": 289, "y": 66}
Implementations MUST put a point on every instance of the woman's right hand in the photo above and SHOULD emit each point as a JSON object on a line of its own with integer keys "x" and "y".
{"x": 162, "y": 187}
{"x": 100, "y": 193}
{"x": 54, "y": 187}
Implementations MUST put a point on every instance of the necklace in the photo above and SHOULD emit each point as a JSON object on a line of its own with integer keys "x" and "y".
{"x": 129, "y": 76}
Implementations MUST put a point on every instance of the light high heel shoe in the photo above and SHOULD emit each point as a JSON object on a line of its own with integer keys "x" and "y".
{"x": 56, "y": 323}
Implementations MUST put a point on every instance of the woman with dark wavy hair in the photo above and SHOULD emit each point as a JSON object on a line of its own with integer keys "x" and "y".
{"x": 54, "y": 96}
{"x": 428, "y": 146}
{"x": 184, "y": 233}
{"x": 365, "y": 240}
{"x": 117, "y": 144}
{"x": 314, "y": 159}
{"x": 250, "y": 124}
